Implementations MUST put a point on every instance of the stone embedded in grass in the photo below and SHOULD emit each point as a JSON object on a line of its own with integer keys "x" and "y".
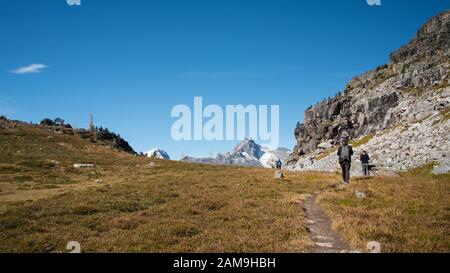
{"x": 279, "y": 175}
{"x": 83, "y": 166}
{"x": 99, "y": 181}
{"x": 360, "y": 195}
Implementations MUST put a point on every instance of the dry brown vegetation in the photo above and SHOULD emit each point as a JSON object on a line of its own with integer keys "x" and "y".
{"x": 142, "y": 205}
{"x": 406, "y": 214}
{"x": 145, "y": 205}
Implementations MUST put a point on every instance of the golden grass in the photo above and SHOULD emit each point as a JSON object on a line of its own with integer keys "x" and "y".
{"x": 441, "y": 86}
{"x": 362, "y": 141}
{"x": 407, "y": 214}
{"x": 445, "y": 116}
{"x": 163, "y": 207}
{"x": 179, "y": 207}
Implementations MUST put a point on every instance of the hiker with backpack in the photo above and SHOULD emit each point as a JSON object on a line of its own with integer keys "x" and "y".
{"x": 279, "y": 164}
{"x": 345, "y": 153}
{"x": 365, "y": 163}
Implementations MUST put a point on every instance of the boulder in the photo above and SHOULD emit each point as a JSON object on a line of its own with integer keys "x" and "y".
{"x": 325, "y": 145}
{"x": 442, "y": 168}
{"x": 279, "y": 175}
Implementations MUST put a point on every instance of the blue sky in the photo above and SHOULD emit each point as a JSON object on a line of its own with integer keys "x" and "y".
{"x": 130, "y": 62}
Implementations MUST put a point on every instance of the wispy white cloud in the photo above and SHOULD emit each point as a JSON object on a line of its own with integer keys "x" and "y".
{"x": 32, "y": 68}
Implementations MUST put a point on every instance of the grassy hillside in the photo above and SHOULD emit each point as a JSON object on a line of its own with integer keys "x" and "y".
{"x": 143, "y": 205}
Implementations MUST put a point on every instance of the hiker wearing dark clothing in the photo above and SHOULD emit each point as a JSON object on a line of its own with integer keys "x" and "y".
{"x": 365, "y": 163}
{"x": 345, "y": 153}
{"x": 278, "y": 164}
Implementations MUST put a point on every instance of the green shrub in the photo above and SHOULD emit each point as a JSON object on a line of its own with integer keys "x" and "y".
{"x": 47, "y": 122}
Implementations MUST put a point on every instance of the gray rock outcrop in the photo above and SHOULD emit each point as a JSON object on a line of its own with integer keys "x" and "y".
{"x": 399, "y": 112}
{"x": 442, "y": 168}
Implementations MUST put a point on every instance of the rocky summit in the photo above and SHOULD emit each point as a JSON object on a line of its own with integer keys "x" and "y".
{"x": 246, "y": 153}
{"x": 158, "y": 153}
{"x": 398, "y": 112}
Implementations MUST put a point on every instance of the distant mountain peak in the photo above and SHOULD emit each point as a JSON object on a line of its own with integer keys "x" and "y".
{"x": 158, "y": 153}
{"x": 246, "y": 153}
{"x": 250, "y": 147}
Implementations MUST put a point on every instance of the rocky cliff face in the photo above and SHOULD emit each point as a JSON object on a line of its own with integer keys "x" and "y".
{"x": 399, "y": 111}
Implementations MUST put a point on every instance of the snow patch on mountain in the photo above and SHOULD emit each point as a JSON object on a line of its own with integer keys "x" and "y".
{"x": 158, "y": 153}
{"x": 271, "y": 156}
{"x": 246, "y": 153}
